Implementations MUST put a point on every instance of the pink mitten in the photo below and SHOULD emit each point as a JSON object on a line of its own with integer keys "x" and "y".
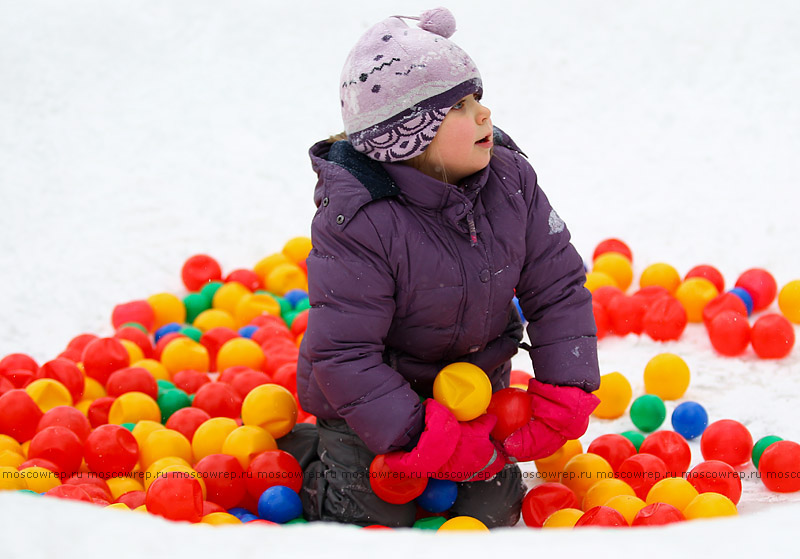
{"x": 436, "y": 444}
{"x": 475, "y": 457}
{"x": 558, "y": 413}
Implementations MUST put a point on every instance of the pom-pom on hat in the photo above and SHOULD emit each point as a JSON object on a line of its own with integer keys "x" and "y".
{"x": 399, "y": 82}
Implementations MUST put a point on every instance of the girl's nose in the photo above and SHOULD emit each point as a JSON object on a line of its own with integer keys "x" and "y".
{"x": 483, "y": 114}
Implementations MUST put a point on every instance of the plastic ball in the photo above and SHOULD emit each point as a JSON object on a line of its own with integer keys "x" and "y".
{"x": 103, "y": 356}
{"x": 11, "y": 479}
{"x": 240, "y": 352}
{"x": 132, "y": 379}
{"x": 186, "y": 421}
{"x": 596, "y": 280}
{"x": 717, "y": 477}
{"x": 18, "y": 362}
{"x": 614, "y": 448}
{"x": 48, "y": 394}
{"x": 67, "y": 373}
{"x": 132, "y": 407}
{"x": 665, "y": 319}
{"x": 729, "y": 332}
{"x": 133, "y": 311}
{"x": 694, "y": 294}
{"x": 119, "y": 486}
{"x": 723, "y": 302}
{"x": 279, "y": 504}
{"x": 657, "y": 514}
{"x": 439, "y": 495}
{"x": 272, "y": 408}
{"x": 430, "y": 523}
{"x": 789, "y": 301}
{"x": 285, "y": 376}
{"x": 551, "y": 467}
{"x": 761, "y": 445}
{"x": 286, "y": 277}
{"x": 60, "y": 446}
{"x": 198, "y": 270}
{"x": 648, "y": 412}
{"x": 612, "y": 245}
{"x": 175, "y": 497}
{"x": 708, "y": 272}
{"x": 779, "y": 466}
{"x": 772, "y": 336}
{"x": 761, "y": 286}
{"x": 195, "y": 304}
{"x": 464, "y": 389}
{"x": 667, "y": 376}
{"x": 689, "y": 419}
{"x": 563, "y": 518}
{"x": 69, "y": 492}
{"x": 162, "y": 465}
{"x": 615, "y": 394}
{"x": 675, "y": 491}
{"x": 269, "y": 263}
{"x": 615, "y": 265}
{"x": 601, "y": 320}
{"x": 170, "y": 401}
{"x": 627, "y": 505}
{"x": 710, "y": 505}
{"x": 727, "y": 440}
{"x": 294, "y": 296}
{"x": 626, "y": 315}
{"x": 224, "y": 478}
{"x": 228, "y": 296}
{"x": 184, "y": 353}
{"x": 745, "y": 297}
{"x": 162, "y": 443}
{"x": 65, "y": 416}
{"x": 601, "y": 516}
{"x": 98, "y": 410}
{"x": 214, "y": 318}
{"x": 167, "y": 309}
{"x": 671, "y": 448}
{"x": 463, "y": 524}
{"x": 190, "y": 381}
{"x": 142, "y": 429}
{"x": 169, "y": 328}
{"x": 19, "y": 415}
{"x": 642, "y": 472}
{"x": 602, "y": 491}
{"x": 251, "y": 306}
{"x": 545, "y": 499}
{"x": 111, "y": 449}
{"x": 296, "y": 249}
{"x": 512, "y": 407}
{"x": 210, "y": 436}
{"x": 273, "y": 467}
{"x": 660, "y": 274}
{"x": 246, "y": 442}
{"x": 392, "y": 487}
{"x": 584, "y": 470}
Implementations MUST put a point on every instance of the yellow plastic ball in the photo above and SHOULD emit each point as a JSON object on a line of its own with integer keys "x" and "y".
{"x": 268, "y": 263}
{"x": 228, "y": 296}
{"x": 789, "y": 301}
{"x": 92, "y": 389}
{"x": 297, "y": 249}
{"x": 160, "y": 465}
{"x": 551, "y": 467}
{"x": 185, "y": 353}
{"x": 135, "y": 353}
{"x": 83, "y": 406}
{"x": 156, "y": 368}
{"x": 694, "y": 294}
{"x": 162, "y": 443}
{"x": 675, "y": 491}
{"x": 11, "y": 479}
{"x": 246, "y": 442}
{"x": 615, "y": 395}
{"x": 596, "y": 280}
{"x": 661, "y": 274}
{"x": 211, "y": 435}
{"x": 48, "y": 393}
{"x": 141, "y": 508}
{"x": 39, "y": 480}
{"x": 584, "y": 470}
{"x": 626, "y": 505}
{"x": 271, "y": 407}
{"x": 214, "y": 318}
{"x": 219, "y": 519}
{"x": 564, "y": 518}
{"x": 599, "y": 493}
{"x": 463, "y": 524}
{"x": 11, "y": 459}
{"x": 133, "y": 407}
{"x": 8, "y": 442}
{"x": 143, "y": 429}
{"x": 285, "y": 277}
{"x": 123, "y": 484}
{"x": 252, "y": 306}
{"x": 240, "y": 352}
{"x": 617, "y": 266}
{"x": 667, "y": 376}
{"x": 118, "y": 506}
{"x": 464, "y": 389}
{"x": 709, "y": 505}
{"x": 166, "y": 308}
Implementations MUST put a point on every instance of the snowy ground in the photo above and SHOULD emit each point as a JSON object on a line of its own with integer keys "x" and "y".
{"x": 136, "y": 133}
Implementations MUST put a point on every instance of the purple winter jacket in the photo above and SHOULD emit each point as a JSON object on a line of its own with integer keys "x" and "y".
{"x": 408, "y": 274}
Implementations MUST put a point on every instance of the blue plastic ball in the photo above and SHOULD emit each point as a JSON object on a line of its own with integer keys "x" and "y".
{"x": 689, "y": 419}
{"x": 240, "y": 512}
{"x": 439, "y": 495}
{"x": 295, "y": 296}
{"x": 519, "y": 309}
{"x": 166, "y": 329}
{"x": 279, "y": 504}
{"x": 746, "y": 298}
{"x": 247, "y": 331}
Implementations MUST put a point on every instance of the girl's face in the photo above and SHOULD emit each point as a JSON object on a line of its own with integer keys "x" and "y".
{"x": 462, "y": 145}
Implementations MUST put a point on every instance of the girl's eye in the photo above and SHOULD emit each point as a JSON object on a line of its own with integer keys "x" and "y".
{"x": 459, "y": 105}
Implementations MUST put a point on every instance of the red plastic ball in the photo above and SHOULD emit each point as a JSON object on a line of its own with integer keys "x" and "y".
{"x": 395, "y": 490}
{"x": 614, "y": 448}
{"x": 60, "y": 446}
{"x": 5, "y": 385}
{"x": 601, "y": 320}
{"x": 17, "y": 361}
{"x": 80, "y": 341}
{"x": 626, "y": 315}
{"x": 727, "y": 440}
{"x": 612, "y": 245}
{"x": 190, "y": 381}
{"x": 97, "y": 494}
{"x": 133, "y": 334}
{"x": 243, "y": 383}
{"x": 218, "y": 399}
{"x": 713, "y": 476}
{"x": 723, "y": 302}
{"x": 199, "y": 270}
{"x": 231, "y": 373}
{"x": 642, "y": 472}
{"x": 729, "y": 332}
{"x": 186, "y": 421}
{"x": 66, "y": 416}
{"x": 272, "y": 330}
{"x": 133, "y": 499}
{"x": 545, "y": 499}
{"x": 134, "y": 311}
{"x": 90, "y": 478}
{"x": 277, "y": 353}
{"x": 103, "y": 356}
{"x": 605, "y": 294}
{"x": 772, "y": 336}
{"x": 512, "y": 407}
{"x": 300, "y": 323}
{"x": 247, "y": 278}
{"x": 708, "y": 272}
{"x": 671, "y": 448}
{"x": 67, "y": 373}
{"x": 286, "y": 376}
{"x": 98, "y": 410}
{"x": 652, "y": 293}
{"x": 132, "y": 379}
{"x": 19, "y": 378}
{"x": 657, "y": 514}
{"x": 175, "y": 496}
{"x": 665, "y": 319}
{"x": 111, "y": 449}
{"x": 761, "y": 286}
{"x": 780, "y": 467}
{"x": 519, "y": 378}
{"x": 602, "y": 516}
{"x": 70, "y": 355}
{"x": 210, "y": 506}
{"x": 69, "y": 492}
{"x": 41, "y": 463}
{"x": 214, "y": 339}
{"x": 270, "y": 468}
{"x": 19, "y": 415}
{"x": 224, "y": 479}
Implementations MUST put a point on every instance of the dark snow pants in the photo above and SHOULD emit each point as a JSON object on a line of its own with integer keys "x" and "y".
{"x": 336, "y": 485}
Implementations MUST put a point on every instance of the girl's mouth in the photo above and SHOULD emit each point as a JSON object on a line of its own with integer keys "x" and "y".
{"x": 486, "y": 141}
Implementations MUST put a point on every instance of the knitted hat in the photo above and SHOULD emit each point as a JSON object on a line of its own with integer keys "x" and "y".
{"x": 399, "y": 82}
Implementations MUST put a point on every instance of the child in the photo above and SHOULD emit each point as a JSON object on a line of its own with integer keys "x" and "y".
{"x": 428, "y": 220}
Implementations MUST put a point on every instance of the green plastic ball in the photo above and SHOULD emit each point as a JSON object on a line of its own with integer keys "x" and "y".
{"x": 170, "y": 401}
{"x": 164, "y": 385}
{"x": 289, "y": 317}
{"x": 192, "y": 332}
{"x": 635, "y": 437}
{"x": 761, "y": 446}
{"x": 210, "y": 289}
{"x": 302, "y": 305}
{"x": 430, "y": 523}
{"x": 129, "y": 426}
{"x": 195, "y": 303}
{"x": 299, "y": 520}
{"x": 648, "y": 412}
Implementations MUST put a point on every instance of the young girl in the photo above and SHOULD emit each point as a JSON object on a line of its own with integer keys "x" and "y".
{"x": 428, "y": 220}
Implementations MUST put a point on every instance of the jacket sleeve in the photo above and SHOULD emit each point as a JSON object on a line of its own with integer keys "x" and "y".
{"x": 558, "y": 307}
{"x": 351, "y": 290}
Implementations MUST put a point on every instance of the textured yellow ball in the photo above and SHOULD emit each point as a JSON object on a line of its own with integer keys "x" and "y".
{"x": 667, "y": 376}
{"x": 694, "y": 294}
{"x": 551, "y": 467}
{"x": 626, "y": 505}
{"x": 185, "y": 353}
{"x": 583, "y": 471}
{"x": 219, "y": 519}
{"x": 709, "y": 505}
{"x": 615, "y": 395}
{"x": 214, "y": 318}
{"x": 464, "y": 389}
{"x": 564, "y": 518}
{"x": 92, "y": 390}
{"x": 789, "y": 301}
{"x": 123, "y": 484}
{"x": 228, "y": 296}
{"x": 660, "y": 274}
{"x": 211, "y": 435}
{"x": 11, "y": 459}
{"x": 251, "y": 306}
{"x": 240, "y": 352}
{"x": 156, "y": 369}
{"x": 11, "y": 479}
{"x": 135, "y": 353}
{"x": 143, "y": 429}
{"x": 602, "y": 491}
{"x": 297, "y": 249}
{"x": 246, "y": 442}
{"x": 268, "y": 263}
{"x": 38, "y": 479}
{"x": 617, "y": 266}
{"x": 166, "y": 308}
{"x": 271, "y": 407}
{"x": 133, "y": 407}
{"x": 596, "y": 280}
{"x": 162, "y": 443}
{"x": 675, "y": 491}
{"x": 285, "y": 277}
{"x": 463, "y": 524}
{"x": 48, "y": 394}
{"x": 160, "y": 465}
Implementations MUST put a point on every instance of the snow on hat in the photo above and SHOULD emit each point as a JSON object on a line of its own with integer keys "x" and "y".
{"x": 399, "y": 82}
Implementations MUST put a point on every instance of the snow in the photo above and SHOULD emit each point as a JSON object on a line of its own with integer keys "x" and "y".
{"x": 136, "y": 133}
